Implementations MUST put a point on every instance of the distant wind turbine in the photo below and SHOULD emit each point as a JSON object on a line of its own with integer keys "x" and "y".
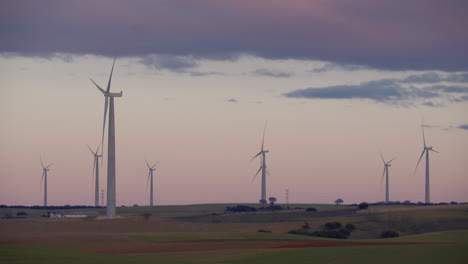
{"x": 111, "y": 186}
{"x": 96, "y": 173}
{"x": 262, "y": 168}
{"x": 150, "y": 177}
{"x": 385, "y": 173}
{"x": 426, "y": 150}
{"x": 45, "y": 169}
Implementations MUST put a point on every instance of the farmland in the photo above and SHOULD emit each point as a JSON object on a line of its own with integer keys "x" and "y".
{"x": 207, "y": 234}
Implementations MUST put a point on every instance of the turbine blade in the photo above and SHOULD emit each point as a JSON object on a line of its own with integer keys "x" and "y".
{"x": 267, "y": 171}
{"x": 435, "y": 151}
{"x": 97, "y": 150}
{"x": 419, "y": 160}
{"x": 382, "y": 178}
{"x": 147, "y": 181}
{"x": 42, "y": 163}
{"x": 93, "y": 174}
{"x": 110, "y": 77}
{"x": 264, "y": 129}
{"x": 382, "y": 157}
{"x": 256, "y": 155}
{"x": 259, "y": 169}
{"x": 147, "y": 164}
{"x": 424, "y": 138}
{"x": 100, "y": 89}
{"x": 155, "y": 164}
{"x": 106, "y": 102}
{"x": 91, "y": 149}
{"x": 392, "y": 160}
{"x": 42, "y": 180}
{"x": 50, "y": 165}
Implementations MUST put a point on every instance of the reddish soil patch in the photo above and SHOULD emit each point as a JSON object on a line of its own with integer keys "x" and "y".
{"x": 138, "y": 248}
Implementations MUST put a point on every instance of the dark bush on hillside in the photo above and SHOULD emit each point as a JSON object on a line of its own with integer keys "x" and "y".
{"x": 263, "y": 231}
{"x": 350, "y": 227}
{"x": 389, "y": 233}
{"x": 311, "y": 209}
{"x": 332, "y": 225}
{"x": 363, "y": 205}
{"x": 146, "y": 215}
{"x": 453, "y": 202}
{"x": 270, "y": 208}
{"x": 21, "y": 214}
{"x": 240, "y": 208}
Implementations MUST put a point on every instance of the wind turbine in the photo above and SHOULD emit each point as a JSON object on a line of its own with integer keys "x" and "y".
{"x": 111, "y": 201}
{"x": 385, "y": 173}
{"x": 262, "y": 168}
{"x": 45, "y": 169}
{"x": 150, "y": 177}
{"x": 426, "y": 150}
{"x": 96, "y": 173}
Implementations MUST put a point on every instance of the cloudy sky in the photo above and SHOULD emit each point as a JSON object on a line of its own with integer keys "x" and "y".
{"x": 338, "y": 81}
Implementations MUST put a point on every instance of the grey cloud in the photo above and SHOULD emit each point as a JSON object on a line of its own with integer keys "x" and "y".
{"x": 232, "y": 100}
{"x": 370, "y": 33}
{"x": 169, "y": 62}
{"x": 464, "y": 126}
{"x": 339, "y": 66}
{"x": 202, "y": 74}
{"x": 272, "y": 73}
{"x": 388, "y": 91}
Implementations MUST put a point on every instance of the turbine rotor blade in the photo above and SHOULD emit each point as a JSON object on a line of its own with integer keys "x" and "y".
{"x": 382, "y": 157}
{"x": 264, "y": 129}
{"x": 392, "y": 160}
{"x": 256, "y": 174}
{"x": 50, "y": 165}
{"x": 155, "y": 164}
{"x": 383, "y": 174}
{"x": 419, "y": 160}
{"x": 100, "y": 89}
{"x": 106, "y": 102}
{"x": 267, "y": 171}
{"x": 147, "y": 164}
{"x": 435, "y": 151}
{"x": 256, "y": 155}
{"x": 110, "y": 77}
{"x": 91, "y": 149}
{"x": 147, "y": 182}
{"x": 42, "y": 179}
{"x": 42, "y": 163}
{"x": 97, "y": 150}
{"x": 424, "y": 138}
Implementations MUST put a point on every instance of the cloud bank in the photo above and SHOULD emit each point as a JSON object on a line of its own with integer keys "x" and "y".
{"x": 392, "y": 35}
{"x": 395, "y": 91}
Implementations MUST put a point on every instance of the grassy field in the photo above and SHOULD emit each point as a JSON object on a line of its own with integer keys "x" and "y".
{"x": 187, "y": 234}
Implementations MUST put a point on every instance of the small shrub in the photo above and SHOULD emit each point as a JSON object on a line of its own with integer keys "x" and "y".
{"x": 389, "y": 233}
{"x": 363, "y": 205}
{"x": 332, "y": 225}
{"x": 263, "y": 231}
{"x": 306, "y": 225}
{"x": 311, "y": 209}
{"x": 350, "y": 227}
{"x": 216, "y": 221}
{"x": 453, "y": 202}
{"x": 146, "y": 215}
{"x": 21, "y": 214}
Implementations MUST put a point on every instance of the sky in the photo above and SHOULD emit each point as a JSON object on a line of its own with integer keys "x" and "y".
{"x": 336, "y": 82}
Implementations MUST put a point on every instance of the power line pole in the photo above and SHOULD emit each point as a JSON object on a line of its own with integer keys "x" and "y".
{"x": 287, "y": 197}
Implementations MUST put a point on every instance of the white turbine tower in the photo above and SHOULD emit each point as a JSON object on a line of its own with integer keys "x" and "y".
{"x": 385, "y": 173}
{"x": 96, "y": 174}
{"x": 111, "y": 196}
{"x": 426, "y": 150}
{"x": 150, "y": 178}
{"x": 262, "y": 168}
{"x": 45, "y": 169}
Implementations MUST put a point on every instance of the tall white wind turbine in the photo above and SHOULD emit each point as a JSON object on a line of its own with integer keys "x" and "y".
{"x": 96, "y": 174}
{"x": 262, "y": 168}
{"x": 150, "y": 178}
{"x": 385, "y": 173}
{"x": 426, "y": 150}
{"x": 111, "y": 185}
{"x": 45, "y": 169}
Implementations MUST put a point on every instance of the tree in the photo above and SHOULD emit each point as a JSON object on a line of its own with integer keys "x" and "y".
{"x": 272, "y": 201}
{"x": 363, "y": 205}
{"x": 339, "y": 201}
